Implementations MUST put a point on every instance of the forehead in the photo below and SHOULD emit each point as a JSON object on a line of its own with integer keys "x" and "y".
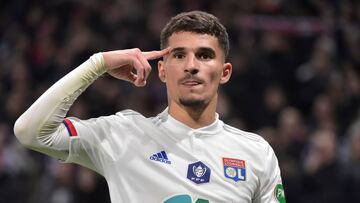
{"x": 193, "y": 41}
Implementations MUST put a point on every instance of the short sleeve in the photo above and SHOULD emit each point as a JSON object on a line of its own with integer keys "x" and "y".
{"x": 271, "y": 188}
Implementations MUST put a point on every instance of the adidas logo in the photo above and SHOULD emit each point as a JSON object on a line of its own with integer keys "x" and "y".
{"x": 160, "y": 156}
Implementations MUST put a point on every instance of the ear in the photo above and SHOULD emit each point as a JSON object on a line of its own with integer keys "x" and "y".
{"x": 161, "y": 70}
{"x": 226, "y": 73}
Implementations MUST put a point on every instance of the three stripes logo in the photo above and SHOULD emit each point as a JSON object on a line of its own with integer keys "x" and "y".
{"x": 160, "y": 156}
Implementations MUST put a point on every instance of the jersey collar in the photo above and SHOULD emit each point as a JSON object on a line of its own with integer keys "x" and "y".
{"x": 180, "y": 130}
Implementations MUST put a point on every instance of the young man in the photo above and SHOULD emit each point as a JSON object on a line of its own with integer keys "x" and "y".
{"x": 184, "y": 154}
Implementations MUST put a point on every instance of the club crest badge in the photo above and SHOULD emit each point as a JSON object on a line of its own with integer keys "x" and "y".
{"x": 198, "y": 172}
{"x": 234, "y": 169}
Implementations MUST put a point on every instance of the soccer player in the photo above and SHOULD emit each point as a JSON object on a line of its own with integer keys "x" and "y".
{"x": 185, "y": 153}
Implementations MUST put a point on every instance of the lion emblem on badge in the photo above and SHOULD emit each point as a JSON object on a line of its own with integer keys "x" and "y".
{"x": 231, "y": 172}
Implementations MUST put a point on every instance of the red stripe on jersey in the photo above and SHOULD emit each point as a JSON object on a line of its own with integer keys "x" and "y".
{"x": 70, "y": 127}
{"x": 234, "y": 162}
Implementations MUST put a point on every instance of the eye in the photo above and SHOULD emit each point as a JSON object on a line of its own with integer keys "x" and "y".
{"x": 205, "y": 55}
{"x": 179, "y": 55}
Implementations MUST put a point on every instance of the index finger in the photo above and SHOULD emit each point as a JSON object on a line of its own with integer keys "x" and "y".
{"x": 150, "y": 55}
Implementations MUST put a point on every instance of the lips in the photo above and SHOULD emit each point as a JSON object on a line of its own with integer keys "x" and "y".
{"x": 191, "y": 82}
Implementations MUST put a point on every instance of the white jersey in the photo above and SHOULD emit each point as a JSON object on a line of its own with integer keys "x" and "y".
{"x": 153, "y": 160}
{"x": 162, "y": 160}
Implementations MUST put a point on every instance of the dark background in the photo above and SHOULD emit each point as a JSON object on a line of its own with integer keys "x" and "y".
{"x": 296, "y": 82}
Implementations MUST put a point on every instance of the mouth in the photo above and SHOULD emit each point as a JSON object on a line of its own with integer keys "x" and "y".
{"x": 191, "y": 83}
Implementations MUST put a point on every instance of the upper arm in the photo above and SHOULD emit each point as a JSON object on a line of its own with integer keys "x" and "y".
{"x": 271, "y": 189}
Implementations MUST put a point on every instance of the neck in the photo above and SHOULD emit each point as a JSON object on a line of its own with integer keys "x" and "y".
{"x": 194, "y": 117}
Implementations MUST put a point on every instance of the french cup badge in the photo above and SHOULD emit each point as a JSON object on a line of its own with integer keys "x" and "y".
{"x": 198, "y": 172}
{"x": 234, "y": 169}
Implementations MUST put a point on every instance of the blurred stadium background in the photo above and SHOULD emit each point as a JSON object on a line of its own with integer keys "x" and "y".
{"x": 296, "y": 82}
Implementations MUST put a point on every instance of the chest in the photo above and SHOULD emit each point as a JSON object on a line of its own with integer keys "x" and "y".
{"x": 191, "y": 169}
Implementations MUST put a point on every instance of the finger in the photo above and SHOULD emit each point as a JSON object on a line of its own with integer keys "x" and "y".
{"x": 137, "y": 83}
{"x": 150, "y": 55}
{"x": 145, "y": 64}
{"x": 139, "y": 77}
{"x": 131, "y": 78}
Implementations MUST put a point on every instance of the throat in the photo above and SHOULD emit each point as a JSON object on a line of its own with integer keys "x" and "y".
{"x": 194, "y": 116}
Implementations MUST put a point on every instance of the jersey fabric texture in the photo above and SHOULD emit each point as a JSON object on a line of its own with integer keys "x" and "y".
{"x": 151, "y": 159}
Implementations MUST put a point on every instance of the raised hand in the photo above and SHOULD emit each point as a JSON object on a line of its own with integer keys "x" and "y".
{"x": 131, "y": 64}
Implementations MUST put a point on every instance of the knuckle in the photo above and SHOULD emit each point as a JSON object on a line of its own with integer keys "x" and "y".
{"x": 140, "y": 76}
{"x": 137, "y": 51}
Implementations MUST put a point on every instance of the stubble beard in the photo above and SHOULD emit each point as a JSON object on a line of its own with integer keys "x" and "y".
{"x": 192, "y": 102}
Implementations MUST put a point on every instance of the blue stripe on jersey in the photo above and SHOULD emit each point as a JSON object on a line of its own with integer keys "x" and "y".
{"x": 159, "y": 155}
{"x": 164, "y": 155}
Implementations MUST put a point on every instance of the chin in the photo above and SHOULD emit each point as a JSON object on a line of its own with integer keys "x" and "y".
{"x": 192, "y": 102}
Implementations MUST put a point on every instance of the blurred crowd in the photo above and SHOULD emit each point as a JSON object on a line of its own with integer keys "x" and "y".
{"x": 296, "y": 82}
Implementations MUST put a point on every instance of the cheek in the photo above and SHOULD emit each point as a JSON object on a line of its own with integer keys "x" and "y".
{"x": 171, "y": 80}
{"x": 214, "y": 71}
{"x": 172, "y": 70}
{"x": 215, "y": 77}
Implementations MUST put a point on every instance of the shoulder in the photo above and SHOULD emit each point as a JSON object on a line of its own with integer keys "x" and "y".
{"x": 243, "y": 134}
{"x": 128, "y": 113}
{"x": 131, "y": 116}
{"x": 124, "y": 116}
{"x": 248, "y": 141}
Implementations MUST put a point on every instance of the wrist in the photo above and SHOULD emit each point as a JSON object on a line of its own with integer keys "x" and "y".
{"x": 98, "y": 63}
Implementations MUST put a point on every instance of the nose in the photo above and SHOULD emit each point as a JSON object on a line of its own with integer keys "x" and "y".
{"x": 191, "y": 65}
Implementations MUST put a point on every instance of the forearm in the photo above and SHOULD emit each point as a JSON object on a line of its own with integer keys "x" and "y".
{"x": 37, "y": 126}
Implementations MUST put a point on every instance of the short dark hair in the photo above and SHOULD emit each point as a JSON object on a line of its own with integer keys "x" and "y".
{"x": 197, "y": 22}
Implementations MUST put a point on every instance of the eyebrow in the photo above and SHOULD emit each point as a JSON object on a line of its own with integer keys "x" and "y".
{"x": 207, "y": 50}
{"x": 177, "y": 49}
{"x": 201, "y": 49}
